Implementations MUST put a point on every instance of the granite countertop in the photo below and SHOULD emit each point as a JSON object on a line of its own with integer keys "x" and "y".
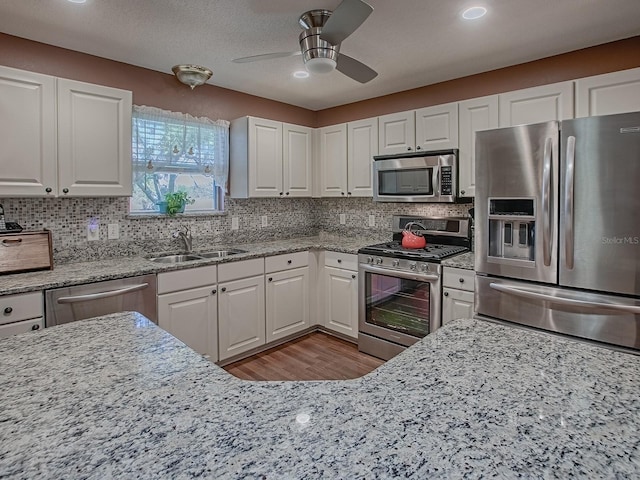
{"x": 464, "y": 260}
{"x": 87, "y": 272}
{"x": 119, "y": 397}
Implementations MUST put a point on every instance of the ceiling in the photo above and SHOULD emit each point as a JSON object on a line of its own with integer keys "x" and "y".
{"x": 410, "y": 43}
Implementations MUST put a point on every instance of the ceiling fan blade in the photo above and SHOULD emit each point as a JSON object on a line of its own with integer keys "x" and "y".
{"x": 266, "y": 56}
{"x": 345, "y": 20}
{"x": 354, "y": 69}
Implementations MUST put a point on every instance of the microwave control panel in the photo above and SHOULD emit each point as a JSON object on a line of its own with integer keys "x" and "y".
{"x": 446, "y": 181}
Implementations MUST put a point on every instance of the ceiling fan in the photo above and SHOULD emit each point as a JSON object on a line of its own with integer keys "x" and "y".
{"x": 320, "y": 41}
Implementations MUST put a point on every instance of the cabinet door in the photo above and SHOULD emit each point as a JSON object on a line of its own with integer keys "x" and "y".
{"x": 475, "y": 115}
{"x": 28, "y": 119}
{"x": 191, "y": 316}
{"x": 297, "y": 160}
{"x": 437, "y": 127}
{"x": 456, "y": 304}
{"x": 362, "y": 145}
{"x": 333, "y": 160}
{"x": 537, "y": 104}
{"x": 397, "y": 133}
{"x": 287, "y": 302}
{"x": 341, "y": 301}
{"x": 241, "y": 316}
{"x": 265, "y": 158}
{"x": 94, "y": 140}
{"x": 607, "y": 94}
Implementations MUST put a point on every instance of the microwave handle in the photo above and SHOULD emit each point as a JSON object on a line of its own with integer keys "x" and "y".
{"x": 436, "y": 180}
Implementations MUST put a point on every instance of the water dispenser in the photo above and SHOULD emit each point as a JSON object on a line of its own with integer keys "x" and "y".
{"x": 512, "y": 229}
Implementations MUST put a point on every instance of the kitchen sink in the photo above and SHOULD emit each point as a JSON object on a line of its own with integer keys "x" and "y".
{"x": 220, "y": 253}
{"x": 175, "y": 258}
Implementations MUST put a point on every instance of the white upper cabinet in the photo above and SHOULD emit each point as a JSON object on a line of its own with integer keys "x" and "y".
{"x": 475, "y": 115}
{"x": 537, "y": 104}
{"x": 94, "y": 140}
{"x": 28, "y": 118}
{"x": 270, "y": 159}
{"x": 397, "y": 133}
{"x": 607, "y": 94}
{"x": 362, "y": 145}
{"x": 62, "y": 137}
{"x": 430, "y": 128}
{"x": 437, "y": 127}
{"x": 297, "y": 160}
{"x": 333, "y": 160}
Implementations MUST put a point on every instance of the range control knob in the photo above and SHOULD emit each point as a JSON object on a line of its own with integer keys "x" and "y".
{"x": 413, "y": 265}
{"x": 396, "y": 262}
{"x": 369, "y": 259}
{"x": 378, "y": 261}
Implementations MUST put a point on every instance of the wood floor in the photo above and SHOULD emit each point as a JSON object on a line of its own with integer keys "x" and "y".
{"x": 316, "y": 356}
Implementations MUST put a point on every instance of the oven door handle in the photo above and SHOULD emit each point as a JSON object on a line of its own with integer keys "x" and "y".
{"x": 395, "y": 273}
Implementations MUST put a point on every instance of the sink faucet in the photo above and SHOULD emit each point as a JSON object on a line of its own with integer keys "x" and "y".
{"x": 184, "y": 234}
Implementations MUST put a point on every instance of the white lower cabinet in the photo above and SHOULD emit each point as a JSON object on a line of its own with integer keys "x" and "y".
{"x": 287, "y": 303}
{"x": 21, "y": 313}
{"x": 187, "y": 308}
{"x": 341, "y": 295}
{"x": 192, "y": 316}
{"x": 457, "y": 294}
{"x": 241, "y": 311}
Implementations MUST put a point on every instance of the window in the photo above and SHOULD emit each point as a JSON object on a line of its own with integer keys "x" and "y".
{"x": 174, "y": 152}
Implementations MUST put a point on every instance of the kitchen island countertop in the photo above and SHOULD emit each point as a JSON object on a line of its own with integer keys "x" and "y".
{"x": 119, "y": 397}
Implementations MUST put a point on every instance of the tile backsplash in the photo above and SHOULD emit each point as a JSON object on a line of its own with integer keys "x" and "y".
{"x": 68, "y": 219}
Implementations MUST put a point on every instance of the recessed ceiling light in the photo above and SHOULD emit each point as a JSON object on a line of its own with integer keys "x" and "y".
{"x": 301, "y": 74}
{"x": 77, "y": 1}
{"x": 474, "y": 13}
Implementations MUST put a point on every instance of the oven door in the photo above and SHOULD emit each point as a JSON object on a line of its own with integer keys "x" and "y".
{"x": 399, "y": 307}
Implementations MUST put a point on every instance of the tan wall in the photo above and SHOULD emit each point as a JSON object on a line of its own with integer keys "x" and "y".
{"x": 609, "y": 57}
{"x": 148, "y": 86}
{"x": 163, "y": 90}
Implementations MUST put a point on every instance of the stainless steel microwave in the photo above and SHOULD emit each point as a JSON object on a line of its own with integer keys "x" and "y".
{"x": 416, "y": 177}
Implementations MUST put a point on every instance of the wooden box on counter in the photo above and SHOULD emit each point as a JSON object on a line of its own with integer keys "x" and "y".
{"x": 26, "y": 251}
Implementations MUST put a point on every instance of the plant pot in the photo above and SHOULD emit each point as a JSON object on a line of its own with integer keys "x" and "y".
{"x": 162, "y": 207}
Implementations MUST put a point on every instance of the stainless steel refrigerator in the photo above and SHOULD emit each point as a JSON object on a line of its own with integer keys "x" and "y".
{"x": 558, "y": 227}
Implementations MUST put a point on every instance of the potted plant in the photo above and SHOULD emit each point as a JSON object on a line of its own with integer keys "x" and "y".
{"x": 175, "y": 202}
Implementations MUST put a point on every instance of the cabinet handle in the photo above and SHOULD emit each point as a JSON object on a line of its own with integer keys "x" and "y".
{"x": 462, "y": 192}
{"x": 461, "y": 280}
{"x": 289, "y": 262}
{"x": 418, "y": 147}
{"x": 353, "y": 276}
{"x": 287, "y": 193}
{"x": 409, "y": 149}
{"x": 280, "y": 193}
{"x": 48, "y": 190}
{"x": 214, "y": 291}
{"x": 224, "y": 289}
{"x": 35, "y": 327}
{"x": 348, "y": 193}
{"x": 65, "y": 190}
{"x": 341, "y": 193}
{"x": 8, "y": 310}
{"x": 446, "y": 294}
{"x": 339, "y": 260}
{"x": 271, "y": 279}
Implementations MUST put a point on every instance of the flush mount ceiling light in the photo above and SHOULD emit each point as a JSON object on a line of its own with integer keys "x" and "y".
{"x": 77, "y": 1}
{"x": 192, "y": 75}
{"x": 474, "y": 13}
{"x": 301, "y": 74}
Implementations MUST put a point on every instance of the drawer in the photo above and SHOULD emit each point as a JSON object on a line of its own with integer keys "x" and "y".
{"x": 185, "y": 279}
{"x": 341, "y": 260}
{"x": 242, "y": 269}
{"x": 24, "y": 306}
{"x": 458, "y": 278}
{"x": 24, "y": 326}
{"x": 278, "y": 263}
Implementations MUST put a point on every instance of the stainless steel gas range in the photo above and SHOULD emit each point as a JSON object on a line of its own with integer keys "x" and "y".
{"x": 400, "y": 289}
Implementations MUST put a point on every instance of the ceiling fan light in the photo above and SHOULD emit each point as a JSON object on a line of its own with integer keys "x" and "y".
{"x": 320, "y": 65}
{"x": 192, "y": 75}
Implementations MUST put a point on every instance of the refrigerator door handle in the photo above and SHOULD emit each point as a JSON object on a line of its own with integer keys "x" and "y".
{"x": 546, "y": 202}
{"x": 595, "y": 306}
{"x": 568, "y": 202}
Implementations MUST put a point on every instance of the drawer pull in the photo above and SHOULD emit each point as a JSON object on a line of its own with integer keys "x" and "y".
{"x": 35, "y": 327}
{"x": 224, "y": 289}
{"x": 8, "y": 310}
{"x": 271, "y": 279}
{"x": 11, "y": 242}
{"x": 289, "y": 262}
{"x": 353, "y": 276}
{"x": 461, "y": 280}
{"x": 446, "y": 294}
{"x": 339, "y": 260}
{"x": 213, "y": 292}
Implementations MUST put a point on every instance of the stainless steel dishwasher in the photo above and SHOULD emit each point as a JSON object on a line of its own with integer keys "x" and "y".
{"x": 68, "y": 304}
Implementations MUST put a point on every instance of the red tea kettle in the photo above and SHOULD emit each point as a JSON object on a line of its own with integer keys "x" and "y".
{"x": 412, "y": 240}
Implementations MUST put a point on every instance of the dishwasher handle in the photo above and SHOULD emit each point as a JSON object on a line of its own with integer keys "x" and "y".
{"x": 97, "y": 296}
